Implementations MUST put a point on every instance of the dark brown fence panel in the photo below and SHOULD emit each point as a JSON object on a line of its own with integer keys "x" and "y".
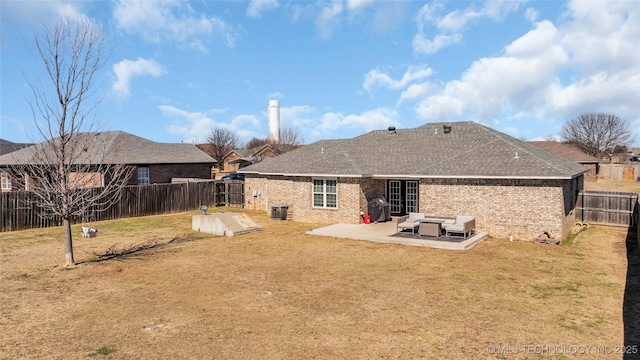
{"x": 230, "y": 193}
{"x": 235, "y": 191}
{"x": 18, "y": 213}
{"x": 607, "y": 208}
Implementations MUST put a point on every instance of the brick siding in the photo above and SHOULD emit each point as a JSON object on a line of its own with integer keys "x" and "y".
{"x": 521, "y": 208}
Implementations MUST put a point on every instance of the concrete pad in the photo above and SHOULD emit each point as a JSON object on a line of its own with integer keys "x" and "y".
{"x": 383, "y": 233}
{"x": 225, "y": 224}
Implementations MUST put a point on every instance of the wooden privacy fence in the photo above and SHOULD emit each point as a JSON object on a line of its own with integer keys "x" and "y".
{"x": 620, "y": 171}
{"x": 17, "y": 213}
{"x": 230, "y": 193}
{"x": 607, "y": 208}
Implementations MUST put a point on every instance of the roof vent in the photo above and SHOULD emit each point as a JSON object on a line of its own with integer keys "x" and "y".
{"x": 392, "y": 130}
{"x": 446, "y": 128}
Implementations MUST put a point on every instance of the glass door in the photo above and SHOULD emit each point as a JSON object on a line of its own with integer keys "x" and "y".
{"x": 395, "y": 197}
{"x": 412, "y": 196}
{"x": 403, "y": 196}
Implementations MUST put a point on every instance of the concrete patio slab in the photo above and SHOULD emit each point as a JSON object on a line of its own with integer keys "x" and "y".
{"x": 384, "y": 233}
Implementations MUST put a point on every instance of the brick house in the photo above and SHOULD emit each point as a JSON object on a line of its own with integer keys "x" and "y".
{"x": 441, "y": 169}
{"x": 5, "y": 148}
{"x": 239, "y": 158}
{"x": 574, "y": 154}
{"x": 154, "y": 162}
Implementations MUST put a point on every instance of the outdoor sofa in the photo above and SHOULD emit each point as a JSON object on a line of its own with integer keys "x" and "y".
{"x": 411, "y": 221}
{"x": 464, "y": 224}
{"x": 461, "y": 224}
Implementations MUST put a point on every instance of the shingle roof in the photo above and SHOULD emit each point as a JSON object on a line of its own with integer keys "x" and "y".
{"x": 116, "y": 147}
{"x": 470, "y": 150}
{"x": 566, "y": 151}
{"x": 8, "y": 146}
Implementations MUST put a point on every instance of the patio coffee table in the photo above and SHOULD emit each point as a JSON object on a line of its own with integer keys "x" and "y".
{"x": 431, "y": 227}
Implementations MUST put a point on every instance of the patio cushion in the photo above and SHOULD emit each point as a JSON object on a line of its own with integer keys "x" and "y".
{"x": 411, "y": 221}
{"x": 464, "y": 224}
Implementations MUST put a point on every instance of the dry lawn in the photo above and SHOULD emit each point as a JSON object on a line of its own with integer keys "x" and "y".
{"x": 608, "y": 184}
{"x": 282, "y": 294}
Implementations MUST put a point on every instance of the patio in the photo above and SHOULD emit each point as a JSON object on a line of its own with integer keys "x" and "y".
{"x": 387, "y": 233}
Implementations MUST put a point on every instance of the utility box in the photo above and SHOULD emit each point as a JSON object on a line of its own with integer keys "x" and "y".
{"x": 279, "y": 212}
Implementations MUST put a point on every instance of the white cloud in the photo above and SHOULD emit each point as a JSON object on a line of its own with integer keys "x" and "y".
{"x": 358, "y": 4}
{"x": 587, "y": 62}
{"x": 376, "y": 78}
{"x": 39, "y": 12}
{"x": 448, "y": 28}
{"x": 603, "y": 35}
{"x": 243, "y": 120}
{"x": 170, "y": 20}
{"x": 275, "y": 95}
{"x": 423, "y": 45}
{"x": 525, "y": 77}
{"x": 196, "y": 126}
{"x": 370, "y": 120}
{"x": 531, "y": 15}
{"x": 328, "y": 19}
{"x": 257, "y": 7}
{"x": 125, "y": 70}
{"x": 70, "y": 11}
{"x": 192, "y": 126}
{"x": 246, "y": 126}
{"x": 329, "y": 15}
{"x": 416, "y": 91}
{"x": 300, "y": 116}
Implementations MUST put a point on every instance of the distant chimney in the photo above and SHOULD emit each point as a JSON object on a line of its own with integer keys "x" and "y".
{"x": 392, "y": 130}
{"x": 446, "y": 128}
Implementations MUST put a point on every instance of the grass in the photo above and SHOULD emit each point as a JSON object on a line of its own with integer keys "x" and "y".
{"x": 102, "y": 351}
{"x": 608, "y": 184}
{"x": 283, "y": 294}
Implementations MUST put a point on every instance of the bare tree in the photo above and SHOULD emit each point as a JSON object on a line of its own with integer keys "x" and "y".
{"x": 255, "y": 142}
{"x": 222, "y": 141}
{"x": 597, "y": 134}
{"x": 69, "y": 172}
{"x": 290, "y": 139}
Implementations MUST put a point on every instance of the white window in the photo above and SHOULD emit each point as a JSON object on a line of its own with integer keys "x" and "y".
{"x": 6, "y": 181}
{"x": 325, "y": 193}
{"x": 143, "y": 175}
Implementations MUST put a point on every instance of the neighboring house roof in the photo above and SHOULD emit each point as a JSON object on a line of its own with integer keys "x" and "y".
{"x": 8, "y": 146}
{"x": 115, "y": 147}
{"x": 470, "y": 150}
{"x": 208, "y": 149}
{"x": 566, "y": 151}
{"x": 249, "y": 155}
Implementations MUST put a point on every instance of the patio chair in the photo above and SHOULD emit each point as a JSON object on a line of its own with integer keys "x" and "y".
{"x": 411, "y": 221}
{"x": 465, "y": 225}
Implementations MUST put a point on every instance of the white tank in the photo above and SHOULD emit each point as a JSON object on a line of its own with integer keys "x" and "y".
{"x": 274, "y": 120}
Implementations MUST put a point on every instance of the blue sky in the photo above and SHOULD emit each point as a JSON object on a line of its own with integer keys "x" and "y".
{"x": 340, "y": 68}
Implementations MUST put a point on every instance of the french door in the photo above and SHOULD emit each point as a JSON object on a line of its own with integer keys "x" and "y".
{"x": 402, "y": 196}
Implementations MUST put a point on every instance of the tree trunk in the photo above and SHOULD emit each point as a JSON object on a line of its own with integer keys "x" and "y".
{"x": 68, "y": 243}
